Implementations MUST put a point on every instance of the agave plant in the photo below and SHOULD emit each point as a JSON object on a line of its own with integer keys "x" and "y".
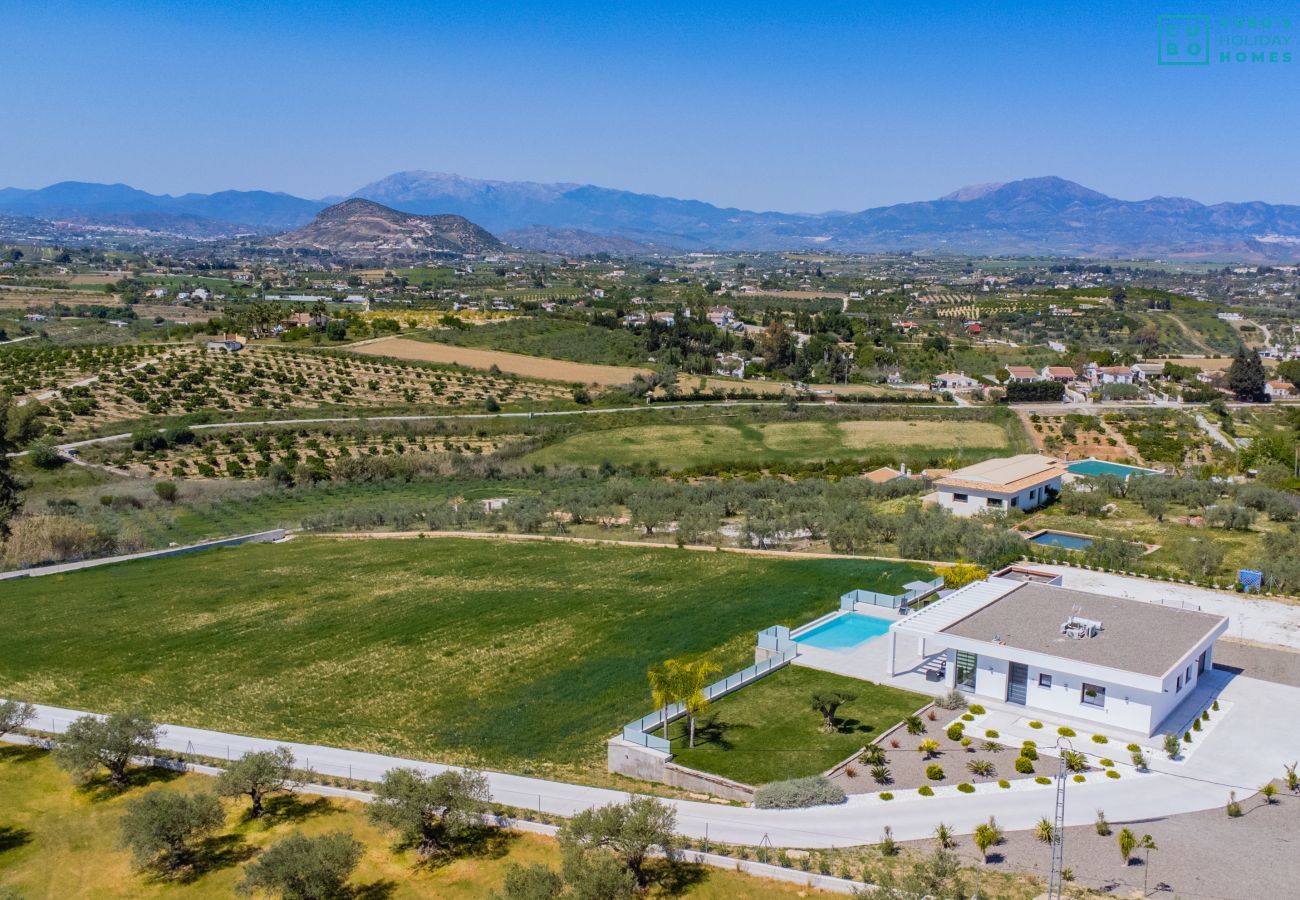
{"x": 881, "y": 774}
{"x": 982, "y": 768}
{"x": 1044, "y": 831}
{"x": 914, "y": 724}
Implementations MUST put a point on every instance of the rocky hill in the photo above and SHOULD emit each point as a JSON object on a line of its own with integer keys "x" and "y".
{"x": 363, "y": 229}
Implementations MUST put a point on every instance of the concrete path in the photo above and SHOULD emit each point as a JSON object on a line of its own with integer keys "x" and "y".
{"x": 1247, "y": 749}
{"x": 1260, "y": 619}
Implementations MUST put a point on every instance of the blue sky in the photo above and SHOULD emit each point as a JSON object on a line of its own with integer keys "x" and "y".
{"x": 760, "y": 105}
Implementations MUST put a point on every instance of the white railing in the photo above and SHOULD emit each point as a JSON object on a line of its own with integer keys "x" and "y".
{"x": 888, "y": 601}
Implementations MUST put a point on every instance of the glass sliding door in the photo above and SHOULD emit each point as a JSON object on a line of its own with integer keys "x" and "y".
{"x": 966, "y": 663}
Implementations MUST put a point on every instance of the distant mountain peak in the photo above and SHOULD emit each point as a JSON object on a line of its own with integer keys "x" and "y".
{"x": 1047, "y": 187}
{"x": 973, "y": 191}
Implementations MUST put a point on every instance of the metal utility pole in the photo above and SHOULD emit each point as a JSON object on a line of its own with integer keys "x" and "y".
{"x": 1056, "y": 883}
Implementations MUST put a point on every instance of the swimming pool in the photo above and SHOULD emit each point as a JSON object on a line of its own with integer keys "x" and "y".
{"x": 844, "y": 632}
{"x": 1102, "y": 467}
{"x": 1061, "y": 539}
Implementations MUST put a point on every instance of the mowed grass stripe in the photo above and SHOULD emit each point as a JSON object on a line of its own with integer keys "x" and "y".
{"x": 689, "y": 444}
{"x": 484, "y": 652}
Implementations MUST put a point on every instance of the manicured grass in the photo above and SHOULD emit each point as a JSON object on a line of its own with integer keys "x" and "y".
{"x": 768, "y": 731}
{"x": 691, "y": 444}
{"x": 512, "y": 655}
{"x": 57, "y": 841}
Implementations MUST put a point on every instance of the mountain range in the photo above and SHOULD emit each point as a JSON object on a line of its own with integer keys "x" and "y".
{"x": 1048, "y": 215}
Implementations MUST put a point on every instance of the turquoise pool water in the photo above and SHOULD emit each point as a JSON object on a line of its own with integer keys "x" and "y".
{"x": 1062, "y": 540}
{"x": 843, "y": 632}
{"x": 1101, "y": 467}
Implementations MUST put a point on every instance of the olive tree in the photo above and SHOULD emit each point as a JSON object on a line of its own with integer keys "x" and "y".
{"x": 160, "y": 825}
{"x": 430, "y": 811}
{"x": 15, "y": 715}
{"x": 631, "y": 831}
{"x": 91, "y": 742}
{"x": 305, "y": 868}
{"x": 257, "y": 774}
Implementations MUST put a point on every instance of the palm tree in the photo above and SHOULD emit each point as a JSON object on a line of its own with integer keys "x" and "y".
{"x": 943, "y": 835}
{"x": 664, "y": 688}
{"x": 694, "y": 678}
{"x": 987, "y": 834}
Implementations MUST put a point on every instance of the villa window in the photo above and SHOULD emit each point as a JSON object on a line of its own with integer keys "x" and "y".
{"x": 1178, "y": 685}
{"x": 1200, "y": 664}
{"x": 1093, "y": 695}
{"x": 1015, "y": 501}
{"x": 995, "y": 502}
{"x": 959, "y": 498}
{"x": 1044, "y": 680}
{"x": 1188, "y": 676}
{"x": 966, "y": 663}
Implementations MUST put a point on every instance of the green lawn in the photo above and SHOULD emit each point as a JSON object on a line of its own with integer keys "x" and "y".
{"x": 681, "y": 445}
{"x": 768, "y": 731}
{"x": 514, "y": 655}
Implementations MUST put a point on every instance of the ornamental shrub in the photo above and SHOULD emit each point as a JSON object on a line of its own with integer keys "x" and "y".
{"x": 1025, "y": 766}
{"x": 991, "y": 734}
{"x": 954, "y": 731}
{"x": 1035, "y": 724}
{"x": 977, "y": 709}
{"x": 1111, "y": 773}
{"x": 966, "y": 788}
{"x": 934, "y": 772}
{"x": 1003, "y": 783}
{"x": 886, "y": 795}
{"x": 1029, "y": 753}
{"x": 1043, "y": 779}
{"x": 1065, "y": 731}
{"x": 798, "y": 793}
{"x": 925, "y": 790}
{"x": 1100, "y": 739}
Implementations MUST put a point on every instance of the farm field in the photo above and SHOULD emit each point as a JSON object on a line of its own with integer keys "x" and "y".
{"x": 683, "y": 445}
{"x": 554, "y": 338}
{"x": 769, "y": 731}
{"x": 61, "y": 842}
{"x": 518, "y": 656}
{"x": 99, "y": 386}
{"x": 514, "y": 363}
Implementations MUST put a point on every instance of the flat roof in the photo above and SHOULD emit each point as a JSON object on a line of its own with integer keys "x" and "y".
{"x": 1136, "y": 636}
{"x": 1008, "y": 473}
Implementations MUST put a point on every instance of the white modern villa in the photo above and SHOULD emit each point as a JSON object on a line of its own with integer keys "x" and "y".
{"x": 1122, "y": 663}
{"x": 1014, "y": 482}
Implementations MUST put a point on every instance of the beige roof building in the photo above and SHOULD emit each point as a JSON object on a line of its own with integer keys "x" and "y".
{"x": 1013, "y": 482}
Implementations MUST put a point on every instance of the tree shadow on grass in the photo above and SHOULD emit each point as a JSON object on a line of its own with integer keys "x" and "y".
{"x": 712, "y": 731}
{"x": 221, "y": 851}
{"x": 853, "y": 726}
{"x": 12, "y": 837}
{"x": 375, "y": 890}
{"x": 476, "y": 843}
{"x": 18, "y": 754}
{"x": 675, "y": 879}
{"x": 101, "y": 787}
{"x": 293, "y": 808}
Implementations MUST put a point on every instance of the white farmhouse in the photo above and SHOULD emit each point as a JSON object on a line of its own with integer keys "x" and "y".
{"x": 1014, "y": 482}
{"x": 1122, "y": 663}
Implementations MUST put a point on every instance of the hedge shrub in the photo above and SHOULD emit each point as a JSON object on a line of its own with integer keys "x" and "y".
{"x": 798, "y": 793}
{"x": 1025, "y": 766}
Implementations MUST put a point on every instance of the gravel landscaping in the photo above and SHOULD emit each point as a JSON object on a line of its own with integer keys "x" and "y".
{"x": 1204, "y": 854}
{"x": 907, "y": 764}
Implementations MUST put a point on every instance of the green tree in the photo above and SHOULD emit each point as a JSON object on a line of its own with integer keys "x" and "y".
{"x": 15, "y": 715}
{"x": 91, "y": 742}
{"x": 257, "y": 774}
{"x": 828, "y": 704}
{"x": 531, "y": 882}
{"x": 430, "y": 812}
{"x": 631, "y": 831}
{"x": 305, "y": 868}
{"x": 987, "y": 835}
{"x": 9, "y": 485}
{"x": 158, "y": 826}
{"x": 1246, "y": 376}
{"x": 165, "y": 491}
{"x": 665, "y": 687}
{"x": 696, "y": 676}
{"x": 1127, "y": 842}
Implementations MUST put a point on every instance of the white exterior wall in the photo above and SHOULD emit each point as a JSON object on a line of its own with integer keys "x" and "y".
{"x": 1126, "y": 707}
{"x": 977, "y": 500}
